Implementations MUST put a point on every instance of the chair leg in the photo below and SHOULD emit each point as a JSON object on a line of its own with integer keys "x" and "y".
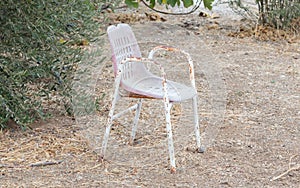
{"x": 196, "y": 123}
{"x": 135, "y": 122}
{"x": 110, "y": 119}
{"x": 105, "y": 138}
{"x": 168, "y": 107}
{"x": 107, "y": 129}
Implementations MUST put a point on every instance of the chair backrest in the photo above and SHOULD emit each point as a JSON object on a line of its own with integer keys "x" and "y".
{"x": 123, "y": 44}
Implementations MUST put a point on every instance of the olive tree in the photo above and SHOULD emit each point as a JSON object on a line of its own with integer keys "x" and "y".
{"x": 40, "y": 46}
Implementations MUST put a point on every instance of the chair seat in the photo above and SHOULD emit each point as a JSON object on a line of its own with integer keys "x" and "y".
{"x": 151, "y": 86}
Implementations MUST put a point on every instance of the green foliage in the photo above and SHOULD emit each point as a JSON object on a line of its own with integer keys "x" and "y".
{"x": 39, "y": 51}
{"x": 173, "y": 3}
{"x": 188, "y": 3}
{"x": 278, "y": 13}
{"x": 208, "y": 4}
{"x": 132, "y": 3}
{"x": 275, "y": 13}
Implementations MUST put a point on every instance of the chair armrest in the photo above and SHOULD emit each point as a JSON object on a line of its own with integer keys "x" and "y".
{"x": 142, "y": 60}
{"x": 172, "y": 49}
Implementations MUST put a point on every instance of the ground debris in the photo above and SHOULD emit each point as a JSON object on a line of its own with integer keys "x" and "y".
{"x": 45, "y": 163}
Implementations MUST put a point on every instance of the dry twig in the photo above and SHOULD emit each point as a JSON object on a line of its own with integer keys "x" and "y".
{"x": 45, "y": 163}
{"x": 291, "y": 168}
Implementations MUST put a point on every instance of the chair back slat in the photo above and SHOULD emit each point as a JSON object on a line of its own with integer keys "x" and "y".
{"x": 123, "y": 44}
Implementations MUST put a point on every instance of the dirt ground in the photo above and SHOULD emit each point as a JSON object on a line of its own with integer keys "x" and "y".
{"x": 249, "y": 84}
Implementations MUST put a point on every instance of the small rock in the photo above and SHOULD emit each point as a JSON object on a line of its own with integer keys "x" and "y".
{"x": 213, "y": 26}
{"x": 116, "y": 171}
{"x": 203, "y": 14}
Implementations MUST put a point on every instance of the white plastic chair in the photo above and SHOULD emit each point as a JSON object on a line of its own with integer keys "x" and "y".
{"x": 132, "y": 75}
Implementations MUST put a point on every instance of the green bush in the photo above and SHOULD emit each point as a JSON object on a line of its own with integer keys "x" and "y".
{"x": 278, "y": 13}
{"x": 40, "y": 47}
